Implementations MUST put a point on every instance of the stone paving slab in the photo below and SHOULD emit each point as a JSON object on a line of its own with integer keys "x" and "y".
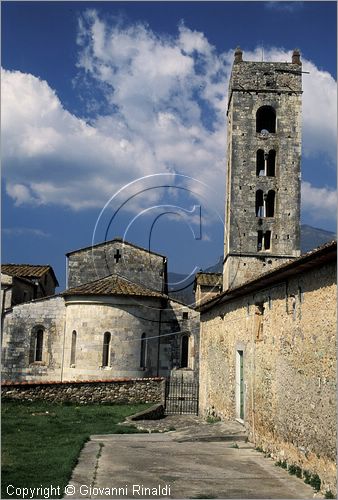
{"x": 161, "y": 465}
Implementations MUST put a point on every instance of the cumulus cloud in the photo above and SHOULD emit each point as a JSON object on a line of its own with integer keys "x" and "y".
{"x": 319, "y": 203}
{"x": 166, "y": 98}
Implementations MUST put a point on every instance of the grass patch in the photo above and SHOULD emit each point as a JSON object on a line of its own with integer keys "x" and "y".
{"x": 282, "y": 464}
{"x": 41, "y": 441}
{"x": 329, "y": 494}
{"x": 212, "y": 420}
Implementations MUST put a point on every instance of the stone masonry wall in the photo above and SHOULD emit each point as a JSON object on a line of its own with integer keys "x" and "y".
{"x": 18, "y": 340}
{"x": 146, "y": 390}
{"x": 289, "y": 368}
{"x": 138, "y": 265}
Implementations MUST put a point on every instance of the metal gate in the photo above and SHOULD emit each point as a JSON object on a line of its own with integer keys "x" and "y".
{"x": 181, "y": 397}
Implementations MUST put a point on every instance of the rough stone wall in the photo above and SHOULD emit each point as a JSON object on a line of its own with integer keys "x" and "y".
{"x": 138, "y": 265}
{"x": 18, "y": 345}
{"x": 205, "y": 292}
{"x": 252, "y": 85}
{"x": 289, "y": 369}
{"x": 147, "y": 390}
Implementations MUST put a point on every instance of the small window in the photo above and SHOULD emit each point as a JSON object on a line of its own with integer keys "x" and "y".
{"x": 267, "y": 240}
{"x": 260, "y": 163}
{"x": 259, "y": 240}
{"x": 263, "y": 240}
{"x": 259, "y": 203}
{"x": 106, "y": 349}
{"x": 73, "y": 349}
{"x": 266, "y": 119}
{"x": 271, "y": 163}
{"x": 38, "y": 345}
{"x": 185, "y": 315}
{"x": 270, "y": 204}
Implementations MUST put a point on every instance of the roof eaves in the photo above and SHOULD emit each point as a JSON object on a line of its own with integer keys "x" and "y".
{"x": 311, "y": 259}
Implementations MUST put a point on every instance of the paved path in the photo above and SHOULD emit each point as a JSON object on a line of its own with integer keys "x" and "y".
{"x": 197, "y": 460}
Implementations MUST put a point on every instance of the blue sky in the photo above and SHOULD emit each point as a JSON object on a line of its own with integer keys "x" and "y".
{"x": 98, "y": 97}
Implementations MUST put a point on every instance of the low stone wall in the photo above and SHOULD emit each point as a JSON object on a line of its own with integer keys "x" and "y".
{"x": 142, "y": 390}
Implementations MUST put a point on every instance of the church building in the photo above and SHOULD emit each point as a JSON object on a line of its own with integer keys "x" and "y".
{"x": 115, "y": 319}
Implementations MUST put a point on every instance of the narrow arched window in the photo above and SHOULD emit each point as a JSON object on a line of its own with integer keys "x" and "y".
{"x": 38, "y": 345}
{"x": 184, "y": 351}
{"x": 73, "y": 349}
{"x": 270, "y": 204}
{"x": 260, "y": 163}
{"x": 266, "y": 119}
{"x": 143, "y": 352}
{"x": 259, "y": 203}
{"x": 106, "y": 349}
{"x": 271, "y": 163}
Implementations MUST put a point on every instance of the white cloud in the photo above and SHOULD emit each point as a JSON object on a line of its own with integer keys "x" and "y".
{"x": 25, "y": 231}
{"x": 319, "y": 203}
{"x": 283, "y": 6}
{"x": 167, "y": 96}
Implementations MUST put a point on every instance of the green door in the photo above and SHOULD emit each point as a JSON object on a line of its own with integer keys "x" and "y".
{"x": 241, "y": 386}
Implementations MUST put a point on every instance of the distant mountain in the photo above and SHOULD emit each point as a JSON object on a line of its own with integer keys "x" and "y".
{"x": 310, "y": 238}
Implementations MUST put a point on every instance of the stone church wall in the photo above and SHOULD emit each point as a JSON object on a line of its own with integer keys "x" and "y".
{"x": 126, "y": 319}
{"x": 20, "y": 324}
{"x": 138, "y": 265}
{"x": 289, "y": 359}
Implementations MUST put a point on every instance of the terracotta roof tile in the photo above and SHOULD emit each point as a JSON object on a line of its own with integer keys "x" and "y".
{"x": 113, "y": 285}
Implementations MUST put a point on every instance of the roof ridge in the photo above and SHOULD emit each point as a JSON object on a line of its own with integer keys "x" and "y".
{"x": 118, "y": 239}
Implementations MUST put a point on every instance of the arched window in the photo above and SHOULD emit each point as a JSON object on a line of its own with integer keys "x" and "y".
{"x": 106, "y": 349}
{"x": 260, "y": 163}
{"x": 271, "y": 163}
{"x": 266, "y": 119}
{"x": 270, "y": 204}
{"x": 73, "y": 349}
{"x": 38, "y": 345}
{"x": 259, "y": 203}
{"x": 143, "y": 351}
{"x": 184, "y": 351}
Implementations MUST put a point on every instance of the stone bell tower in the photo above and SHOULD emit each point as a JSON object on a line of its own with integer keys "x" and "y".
{"x": 263, "y": 168}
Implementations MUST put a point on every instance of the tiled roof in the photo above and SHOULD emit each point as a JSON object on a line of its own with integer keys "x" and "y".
{"x": 27, "y": 270}
{"x": 209, "y": 279}
{"x": 112, "y": 285}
